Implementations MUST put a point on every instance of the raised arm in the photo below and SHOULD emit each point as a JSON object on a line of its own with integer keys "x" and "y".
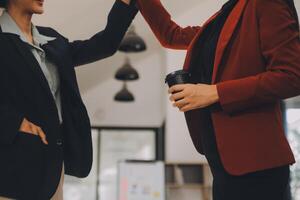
{"x": 106, "y": 42}
{"x": 169, "y": 34}
{"x": 165, "y": 29}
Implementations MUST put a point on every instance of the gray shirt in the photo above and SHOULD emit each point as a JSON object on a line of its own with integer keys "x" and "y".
{"x": 8, "y": 25}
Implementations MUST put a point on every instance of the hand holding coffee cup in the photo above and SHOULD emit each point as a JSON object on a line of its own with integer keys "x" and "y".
{"x": 187, "y": 96}
{"x": 177, "y": 78}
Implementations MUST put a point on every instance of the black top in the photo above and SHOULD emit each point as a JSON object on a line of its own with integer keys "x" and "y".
{"x": 201, "y": 71}
{"x": 205, "y": 49}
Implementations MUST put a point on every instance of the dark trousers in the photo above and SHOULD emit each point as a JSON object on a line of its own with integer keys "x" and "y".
{"x": 264, "y": 185}
{"x": 271, "y": 184}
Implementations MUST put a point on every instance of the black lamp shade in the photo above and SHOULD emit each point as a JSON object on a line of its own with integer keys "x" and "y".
{"x": 124, "y": 95}
{"x": 132, "y": 43}
{"x": 127, "y": 73}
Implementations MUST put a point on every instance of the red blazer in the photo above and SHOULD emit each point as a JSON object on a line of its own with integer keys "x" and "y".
{"x": 257, "y": 64}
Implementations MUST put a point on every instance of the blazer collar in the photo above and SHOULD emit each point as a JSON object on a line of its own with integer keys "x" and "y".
{"x": 8, "y": 25}
{"x": 31, "y": 62}
{"x": 226, "y": 34}
{"x": 55, "y": 51}
{"x": 11, "y": 31}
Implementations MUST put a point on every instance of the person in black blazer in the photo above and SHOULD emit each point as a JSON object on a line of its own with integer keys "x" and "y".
{"x": 45, "y": 128}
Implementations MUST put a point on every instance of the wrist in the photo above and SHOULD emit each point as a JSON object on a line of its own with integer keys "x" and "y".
{"x": 215, "y": 94}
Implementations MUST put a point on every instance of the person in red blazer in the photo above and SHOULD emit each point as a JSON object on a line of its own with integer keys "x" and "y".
{"x": 244, "y": 61}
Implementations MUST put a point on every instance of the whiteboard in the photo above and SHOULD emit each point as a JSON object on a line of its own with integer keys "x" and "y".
{"x": 141, "y": 180}
{"x": 120, "y": 145}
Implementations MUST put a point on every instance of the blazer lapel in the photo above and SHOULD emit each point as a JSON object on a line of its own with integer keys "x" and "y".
{"x": 226, "y": 34}
{"x": 54, "y": 51}
{"x": 32, "y": 63}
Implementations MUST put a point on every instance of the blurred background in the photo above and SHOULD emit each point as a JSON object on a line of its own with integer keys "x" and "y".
{"x": 146, "y": 128}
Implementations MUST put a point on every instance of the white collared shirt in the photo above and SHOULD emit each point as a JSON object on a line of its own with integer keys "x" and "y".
{"x": 8, "y": 25}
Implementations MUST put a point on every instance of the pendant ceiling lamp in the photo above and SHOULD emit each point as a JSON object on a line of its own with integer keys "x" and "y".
{"x": 127, "y": 72}
{"x": 132, "y": 43}
{"x": 124, "y": 95}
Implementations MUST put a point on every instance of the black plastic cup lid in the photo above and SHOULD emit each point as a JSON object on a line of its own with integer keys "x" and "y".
{"x": 176, "y": 73}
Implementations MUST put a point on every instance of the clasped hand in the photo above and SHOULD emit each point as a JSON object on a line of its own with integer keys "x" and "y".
{"x": 188, "y": 97}
{"x": 29, "y": 128}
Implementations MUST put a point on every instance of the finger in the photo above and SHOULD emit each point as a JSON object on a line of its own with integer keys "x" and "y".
{"x": 25, "y": 126}
{"x": 181, "y": 103}
{"x": 42, "y": 135}
{"x": 177, "y": 88}
{"x": 186, "y": 108}
{"x": 33, "y": 129}
{"x": 177, "y": 96}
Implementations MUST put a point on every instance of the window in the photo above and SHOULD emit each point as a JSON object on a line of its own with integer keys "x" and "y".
{"x": 293, "y": 122}
{"x": 110, "y": 146}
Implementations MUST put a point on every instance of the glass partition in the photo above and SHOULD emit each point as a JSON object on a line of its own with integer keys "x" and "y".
{"x": 110, "y": 146}
{"x": 293, "y": 125}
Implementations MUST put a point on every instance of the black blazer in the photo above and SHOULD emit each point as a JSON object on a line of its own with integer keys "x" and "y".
{"x": 30, "y": 170}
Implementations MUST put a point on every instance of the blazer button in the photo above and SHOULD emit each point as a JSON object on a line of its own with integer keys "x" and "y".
{"x": 59, "y": 142}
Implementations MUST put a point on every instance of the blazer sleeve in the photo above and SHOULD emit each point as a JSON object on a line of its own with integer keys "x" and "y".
{"x": 169, "y": 34}
{"x": 280, "y": 46}
{"x": 106, "y": 42}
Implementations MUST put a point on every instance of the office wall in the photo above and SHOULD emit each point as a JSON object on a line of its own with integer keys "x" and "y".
{"x": 297, "y": 5}
{"x": 294, "y": 102}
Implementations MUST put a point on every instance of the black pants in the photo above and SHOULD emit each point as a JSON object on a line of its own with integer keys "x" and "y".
{"x": 264, "y": 185}
{"x": 269, "y": 184}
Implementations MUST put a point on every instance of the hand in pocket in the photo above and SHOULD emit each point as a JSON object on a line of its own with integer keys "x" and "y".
{"x": 30, "y": 128}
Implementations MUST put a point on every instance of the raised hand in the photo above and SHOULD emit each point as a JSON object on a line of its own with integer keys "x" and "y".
{"x": 29, "y": 128}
